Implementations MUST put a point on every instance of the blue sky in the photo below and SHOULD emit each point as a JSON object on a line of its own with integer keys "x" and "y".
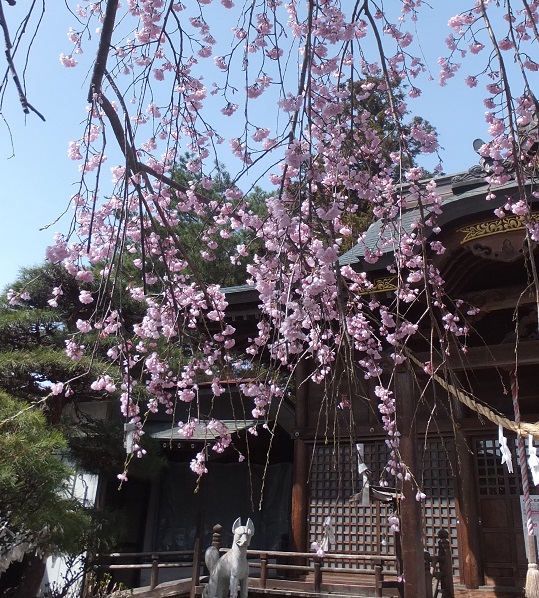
{"x": 38, "y": 181}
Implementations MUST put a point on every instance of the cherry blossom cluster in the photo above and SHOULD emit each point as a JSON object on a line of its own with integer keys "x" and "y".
{"x": 506, "y": 34}
{"x": 395, "y": 467}
{"x": 291, "y": 81}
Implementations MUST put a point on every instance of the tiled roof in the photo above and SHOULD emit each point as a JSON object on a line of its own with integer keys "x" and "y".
{"x": 166, "y": 431}
{"x": 453, "y": 207}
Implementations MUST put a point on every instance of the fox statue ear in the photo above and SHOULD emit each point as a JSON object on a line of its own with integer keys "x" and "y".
{"x": 250, "y": 526}
{"x": 236, "y": 524}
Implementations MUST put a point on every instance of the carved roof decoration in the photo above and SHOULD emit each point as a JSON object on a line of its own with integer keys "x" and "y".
{"x": 499, "y": 249}
{"x": 494, "y": 226}
{"x": 473, "y": 177}
{"x": 384, "y": 284}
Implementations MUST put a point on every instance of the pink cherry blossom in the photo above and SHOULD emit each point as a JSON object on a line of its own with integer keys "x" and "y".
{"x": 68, "y": 61}
{"x": 86, "y": 297}
{"x": 324, "y": 161}
{"x": 57, "y": 388}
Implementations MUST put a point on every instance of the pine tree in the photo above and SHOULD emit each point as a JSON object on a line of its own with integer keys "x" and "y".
{"x": 36, "y": 516}
{"x": 39, "y": 436}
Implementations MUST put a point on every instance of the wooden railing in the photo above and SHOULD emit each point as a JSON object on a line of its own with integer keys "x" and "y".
{"x": 150, "y": 560}
{"x": 373, "y": 565}
{"x": 439, "y": 567}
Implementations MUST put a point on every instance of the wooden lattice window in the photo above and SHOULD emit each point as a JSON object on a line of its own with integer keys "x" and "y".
{"x": 364, "y": 529}
{"x": 359, "y": 529}
{"x": 439, "y": 507}
{"x": 493, "y": 477}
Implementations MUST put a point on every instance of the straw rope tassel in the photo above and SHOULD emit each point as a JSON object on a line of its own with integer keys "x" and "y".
{"x": 532, "y": 576}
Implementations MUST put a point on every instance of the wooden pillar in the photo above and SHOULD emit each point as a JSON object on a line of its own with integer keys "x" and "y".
{"x": 470, "y": 560}
{"x": 299, "y": 497}
{"x": 301, "y": 463}
{"x": 411, "y": 526}
{"x": 151, "y": 517}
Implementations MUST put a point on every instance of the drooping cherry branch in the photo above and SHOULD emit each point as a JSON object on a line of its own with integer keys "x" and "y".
{"x": 301, "y": 85}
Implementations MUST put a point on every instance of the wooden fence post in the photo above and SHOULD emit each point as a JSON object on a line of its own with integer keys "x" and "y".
{"x": 154, "y": 579}
{"x": 378, "y": 580}
{"x": 263, "y": 570}
{"x": 446, "y": 565}
{"x": 317, "y": 574}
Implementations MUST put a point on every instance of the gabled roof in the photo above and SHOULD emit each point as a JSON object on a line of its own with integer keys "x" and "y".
{"x": 454, "y": 207}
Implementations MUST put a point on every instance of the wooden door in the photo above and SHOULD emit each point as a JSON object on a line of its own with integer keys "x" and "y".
{"x": 502, "y": 539}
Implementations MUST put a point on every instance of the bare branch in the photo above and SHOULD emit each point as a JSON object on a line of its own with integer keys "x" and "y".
{"x": 26, "y": 107}
{"x": 102, "y": 55}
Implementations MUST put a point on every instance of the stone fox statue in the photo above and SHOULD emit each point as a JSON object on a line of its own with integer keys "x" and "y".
{"x": 230, "y": 572}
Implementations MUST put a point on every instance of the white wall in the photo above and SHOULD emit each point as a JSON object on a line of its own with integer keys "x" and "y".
{"x": 61, "y": 570}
